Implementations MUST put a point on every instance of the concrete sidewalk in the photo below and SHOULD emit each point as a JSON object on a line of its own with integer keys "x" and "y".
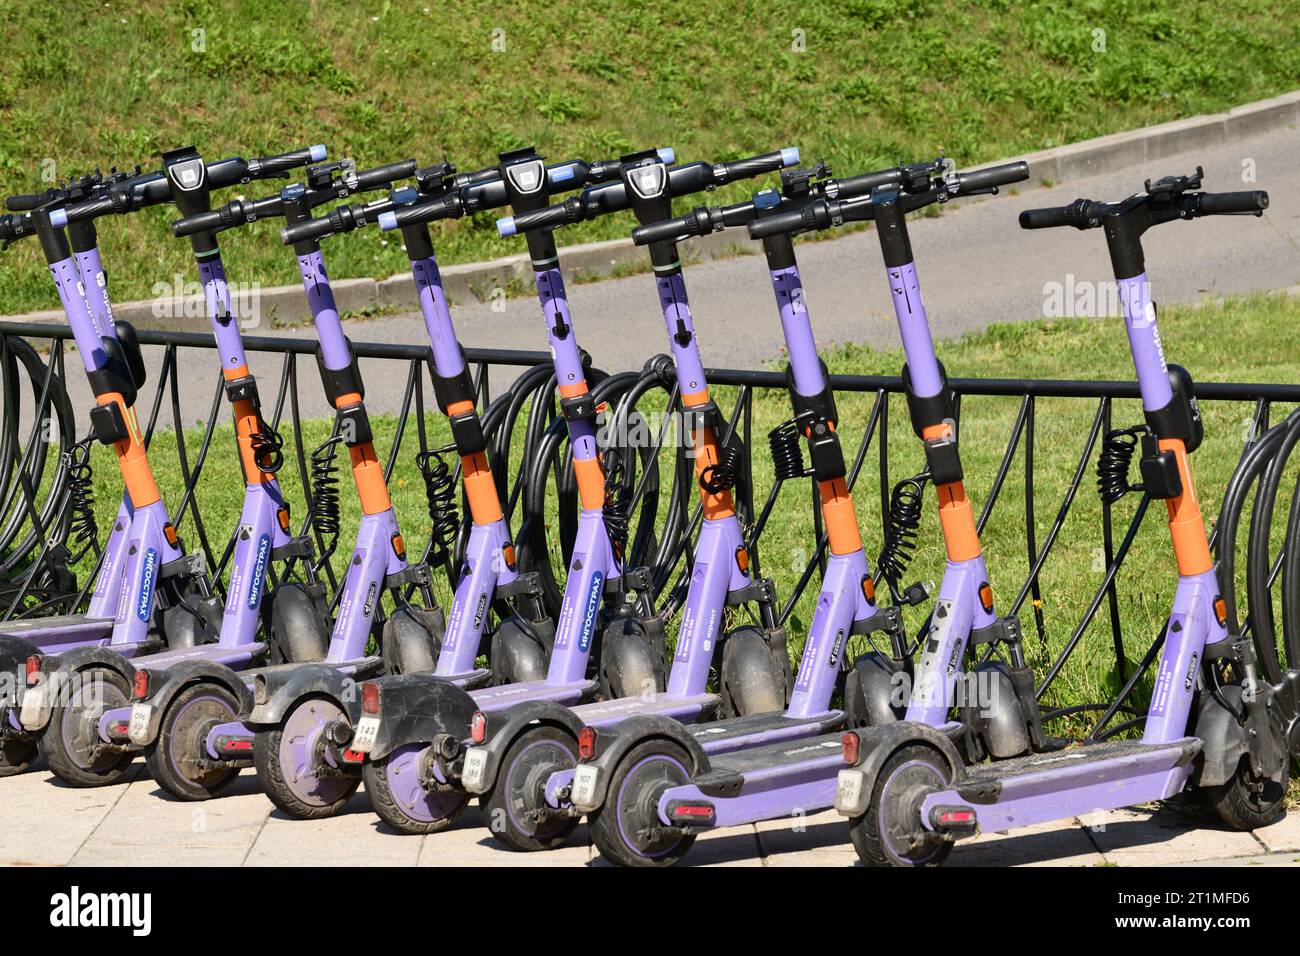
{"x": 134, "y": 824}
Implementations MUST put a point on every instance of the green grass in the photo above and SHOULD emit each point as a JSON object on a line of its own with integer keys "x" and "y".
{"x": 863, "y": 83}
{"x": 1217, "y": 341}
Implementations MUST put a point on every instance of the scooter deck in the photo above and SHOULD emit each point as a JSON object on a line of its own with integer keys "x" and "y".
{"x": 213, "y": 653}
{"x": 60, "y": 629}
{"x": 757, "y": 730}
{"x": 1076, "y": 766}
{"x": 498, "y": 698}
{"x": 602, "y": 713}
{"x": 470, "y": 680}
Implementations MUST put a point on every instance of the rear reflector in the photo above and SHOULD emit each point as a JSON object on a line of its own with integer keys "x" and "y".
{"x": 353, "y": 756}
{"x": 478, "y": 727}
{"x": 851, "y": 743}
{"x": 586, "y": 743}
{"x": 119, "y": 729}
{"x": 236, "y": 745}
{"x": 140, "y": 685}
{"x": 370, "y": 698}
{"x": 692, "y": 814}
{"x": 961, "y": 820}
{"x": 33, "y": 669}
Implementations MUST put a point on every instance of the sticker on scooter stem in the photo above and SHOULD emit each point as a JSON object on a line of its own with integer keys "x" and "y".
{"x": 259, "y": 571}
{"x": 148, "y": 577}
{"x": 589, "y": 614}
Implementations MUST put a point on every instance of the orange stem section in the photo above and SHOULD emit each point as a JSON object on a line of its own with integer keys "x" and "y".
{"x": 705, "y": 444}
{"x": 838, "y": 514}
{"x": 246, "y": 424}
{"x": 956, "y": 516}
{"x": 131, "y": 458}
{"x": 1186, "y": 526}
{"x": 480, "y": 489}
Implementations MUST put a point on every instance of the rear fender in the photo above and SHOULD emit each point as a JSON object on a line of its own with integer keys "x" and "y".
{"x": 165, "y": 685}
{"x": 276, "y": 692}
{"x": 505, "y": 727}
{"x": 614, "y": 743}
{"x": 416, "y": 708}
{"x": 877, "y": 744}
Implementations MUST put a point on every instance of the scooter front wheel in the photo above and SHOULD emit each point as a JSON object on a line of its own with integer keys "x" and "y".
{"x": 1245, "y": 802}
{"x": 890, "y": 832}
{"x": 16, "y": 755}
{"x": 400, "y": 800}
{"x": 70, "y": 742}
{"x": 178, "y": 759}
{"x": 627, "y": 829}
{"x": 515, "y": 807}
{"x": 292, "y": 766}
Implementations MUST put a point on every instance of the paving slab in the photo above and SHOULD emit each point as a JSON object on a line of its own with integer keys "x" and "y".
{"x": 1172, "y": 834}
{"x": 46, "y": 822}
{"x": 1283, "y": 836}
{"x": 469, "y": 843}
{"x": 1058, "y": 843}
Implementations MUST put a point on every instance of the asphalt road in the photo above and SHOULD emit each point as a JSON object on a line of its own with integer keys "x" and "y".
{"x": 975, "y": 265}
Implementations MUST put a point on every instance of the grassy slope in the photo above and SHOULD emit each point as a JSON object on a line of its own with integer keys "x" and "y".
{"x": 878, "y": 81}
{"x": 1043, "y": 349}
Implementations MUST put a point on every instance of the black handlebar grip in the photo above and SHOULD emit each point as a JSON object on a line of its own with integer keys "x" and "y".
{"x": 385, "y": 175}
{"x": 992, "y": 177}
{"x": 782, "y": 222}
{"x": 29, "y": 201}
{"x": 862, "y": 185}
{"x": 308, "y": 229}
{"x": 1218, "y": 204}
{"x": 758, "y": 165}
{"x": 1046, "y": 218}
{"x": 274, "y": 165}
{"x": 667, "y": 230}
{"x": 81, "y": 212}
{"x": 446, "y": 207}
{"x": 549, "y": 217}
{"x": 199, "y": 222}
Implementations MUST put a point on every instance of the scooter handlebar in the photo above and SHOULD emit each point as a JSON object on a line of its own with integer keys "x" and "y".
{"x": 268, "y": 166}
{"x": 1251, "y": 202}
{"x": 758, "y": 165}
{"x": 25, "y": 202}
{"x": 381, "y": 176}
{"x": 992, "y": 177}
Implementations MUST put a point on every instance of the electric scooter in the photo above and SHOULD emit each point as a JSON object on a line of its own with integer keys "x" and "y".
{"x": 128, "y": 612}
{"x": 198, "y": 723}
{"x": 1213, "y": 724}
{"x": 86, "y": 736}
{"x": 648, "y": 791}
{"x": 524, "y": 758}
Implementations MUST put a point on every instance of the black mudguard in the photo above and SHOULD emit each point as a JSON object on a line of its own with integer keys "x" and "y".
{"x": 299, "y": 631}
{"x": 613, "y": 743}
{"x": 416, "y": 708}
{"x": 631, "y": 658}
{"x": 277, "y": 692}
{"x": 504, "y": 728}
{"x": 996, "y": 718}
{"x": 411, "y": 641}
{"x": 1223, "y": 738}
{"x": 521, "y": 651}
{"x": 756, "y": 673}
{"x": 14, "y": 652}
{"x": 165, "y": 685}
{"x": 80, "y": 658}
{"x": 878, "y": 744}
{"x": 875, "y": 693}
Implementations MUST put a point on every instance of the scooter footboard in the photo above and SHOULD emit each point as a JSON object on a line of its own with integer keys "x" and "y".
{"x": 613, "y": 743}
{"x": 501, "y": 729}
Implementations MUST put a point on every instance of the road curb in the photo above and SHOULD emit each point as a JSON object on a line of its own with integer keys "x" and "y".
{"x": 287, "y": 305}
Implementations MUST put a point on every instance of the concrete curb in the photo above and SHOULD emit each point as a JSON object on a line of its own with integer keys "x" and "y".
{"x": 466, "y": 282}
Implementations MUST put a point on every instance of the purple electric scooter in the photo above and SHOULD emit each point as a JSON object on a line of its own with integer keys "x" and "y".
{"x": 908, "y": 793}
{"x": 524, "y": 765}
{"x": 649, "y": 789}
{"x": 198, "y": 722}
{"x": 145, "y": 586}
{"x": 83, "y": 716}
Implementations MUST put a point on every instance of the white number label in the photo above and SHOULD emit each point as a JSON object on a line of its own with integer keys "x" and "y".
{"x": 584, "y": 785}
{"x": 475, "y": 768}
{"x": 848, "y": 791}
{"x": 138, "y": 730}
{"x": 367, "y": 732}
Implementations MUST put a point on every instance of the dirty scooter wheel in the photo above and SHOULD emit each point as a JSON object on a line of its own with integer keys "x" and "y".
{"x": 398, "y": 798}
{"x": 515, "y": 807}
{"x": 16, "y": 755}
{"x": 890, "y": 832}
{"x": 178, "y": 759}
{"x": 631, "y": 807}
{"x": 291, "y": 764}
{"x": 70, "y": 742}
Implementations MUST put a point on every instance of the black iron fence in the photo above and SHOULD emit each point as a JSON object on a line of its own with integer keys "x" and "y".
{"x": 1084, "y": 574}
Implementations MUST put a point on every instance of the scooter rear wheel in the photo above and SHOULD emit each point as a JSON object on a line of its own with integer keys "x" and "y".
{"x": 16, "y": 755}
{"x": 71, "y": 743}
{"x": 515, "y": 807}
{"x": 890, "y": 832}
{"x": 400, "y": 800}
{"x": 176, "y": 758}
{"x": 1245, "y": 803}
{"x": 626, "y": 829}
{"x": 290, "y": 764}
